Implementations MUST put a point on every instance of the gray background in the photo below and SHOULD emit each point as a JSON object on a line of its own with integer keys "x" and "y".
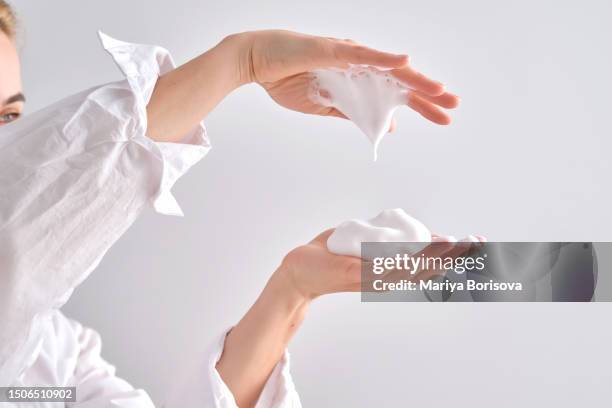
{"x": 527, "y": 158}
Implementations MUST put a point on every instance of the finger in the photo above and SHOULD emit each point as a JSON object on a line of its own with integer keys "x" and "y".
{"x": 432, "y": 250}
{"x": 441, "y": 249}
{"x": 322, "y": 237}
{"x": 358, "y": 54}
{"x": 443, "y": 238}
{"x": 438, "y": 248}
{"x": 446, "y": 100}
{"x": 418, "y": 81}
{"x": 427, "y": 109}
{"x": 460, "y": 249}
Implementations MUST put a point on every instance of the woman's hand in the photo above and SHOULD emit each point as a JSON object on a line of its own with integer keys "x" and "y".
{"x": 256, "y": 344}
{"x": 310, "y": 270}
{"x": 281, "y": 61}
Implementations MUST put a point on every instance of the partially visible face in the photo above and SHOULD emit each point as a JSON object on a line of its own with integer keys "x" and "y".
{"x": 11, "y": 96}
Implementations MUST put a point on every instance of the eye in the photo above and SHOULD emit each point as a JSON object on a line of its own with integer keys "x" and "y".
{"x": 9, "y": 117}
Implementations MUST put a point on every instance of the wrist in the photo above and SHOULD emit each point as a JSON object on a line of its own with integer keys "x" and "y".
{"x": 240, "y": 48}
{"x": 282, "y": 287}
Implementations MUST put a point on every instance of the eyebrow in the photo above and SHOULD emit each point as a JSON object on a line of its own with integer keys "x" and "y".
{"x": 15, "y": 98}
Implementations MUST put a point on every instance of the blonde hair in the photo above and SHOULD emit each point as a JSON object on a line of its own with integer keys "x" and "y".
{"x": 8, "y": 22}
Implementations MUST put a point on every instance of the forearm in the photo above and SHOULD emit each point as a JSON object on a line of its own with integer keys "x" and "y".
{"x": 254, "y": 347}
{"x": 185, "y": 95}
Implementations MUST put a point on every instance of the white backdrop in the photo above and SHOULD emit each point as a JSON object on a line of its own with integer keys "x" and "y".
{"x": 527, "y": 158}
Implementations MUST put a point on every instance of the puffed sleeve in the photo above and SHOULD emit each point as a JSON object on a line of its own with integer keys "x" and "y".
{"x": 73, "y": 177}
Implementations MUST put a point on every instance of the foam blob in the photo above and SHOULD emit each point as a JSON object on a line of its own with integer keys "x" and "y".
{"x": 388, "y": 226}
{"x": 366, "y": 95}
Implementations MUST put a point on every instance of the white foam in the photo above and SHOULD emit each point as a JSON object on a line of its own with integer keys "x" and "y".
{"x": 368, "y": 96}
{"x": 388, "y": 226}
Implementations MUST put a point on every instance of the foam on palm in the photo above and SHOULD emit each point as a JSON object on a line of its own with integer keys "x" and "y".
{"x": 388, "y": 226}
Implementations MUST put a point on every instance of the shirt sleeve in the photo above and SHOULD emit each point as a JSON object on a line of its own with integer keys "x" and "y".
{"x": 70, "y": 356}
{"x": 73, "y": 177}
{"x": 202, "y": 386}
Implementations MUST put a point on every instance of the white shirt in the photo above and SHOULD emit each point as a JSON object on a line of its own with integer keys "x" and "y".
{"x": 73, "y": 177}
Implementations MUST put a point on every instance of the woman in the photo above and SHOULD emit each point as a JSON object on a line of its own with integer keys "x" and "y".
{"x": 74, "y": 176}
